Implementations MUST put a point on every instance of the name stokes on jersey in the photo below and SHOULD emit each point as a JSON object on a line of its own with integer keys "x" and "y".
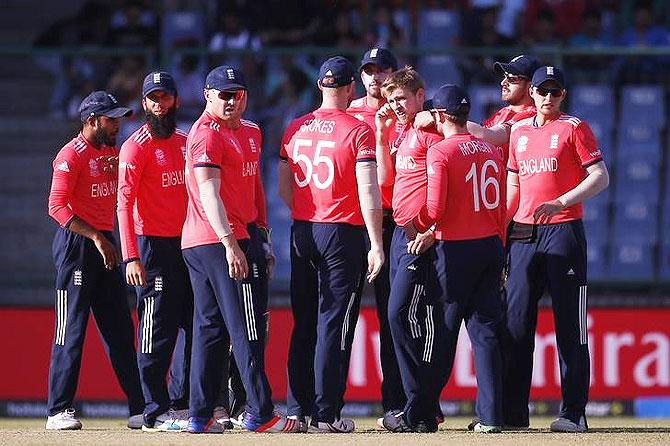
{"x": 318, "y": 126}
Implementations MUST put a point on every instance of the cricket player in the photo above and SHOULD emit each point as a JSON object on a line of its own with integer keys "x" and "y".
{"x": 410, "y": 268}
{"x": 82, "y": 200}
{"x": 151, "y": 210}
{"x": 554, "y": 165}
{"x": 220, "y": 181}
{"x": 328, "y": 178}
{"x": 377, "y": 64}
{"x": 465, "y": 203}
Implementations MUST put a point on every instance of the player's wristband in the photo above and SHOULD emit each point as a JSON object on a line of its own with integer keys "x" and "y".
{"x": 130, "y": 260}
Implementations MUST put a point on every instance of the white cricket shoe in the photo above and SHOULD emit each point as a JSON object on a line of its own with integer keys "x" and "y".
{"x": 64, "y": 420}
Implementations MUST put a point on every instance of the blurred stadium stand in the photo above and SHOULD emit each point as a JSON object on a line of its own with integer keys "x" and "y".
{"x": 628, "y": 226}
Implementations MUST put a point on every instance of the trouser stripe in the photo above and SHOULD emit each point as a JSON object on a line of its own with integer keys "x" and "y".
{"x": 148, "y": 325}
{"x": 61, "y": 316}
{"x": 414, "y": 326}
{"x": 430, "y": 335}
{"x": 250, "y": 317}
{"x": 583, "y": 329}
{"x": 345, "y": 324}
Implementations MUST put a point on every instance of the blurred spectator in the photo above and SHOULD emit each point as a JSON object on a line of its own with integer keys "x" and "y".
{"x": 190, "y": 84}
{"x": 233, "y": 35}
{"x": 644, "y": 33}
{"x": 88, "y": 27}
{"x": 147, "y": 18}
{"x": 543, "y": 34}
{"x": 384, "y": 31}
{"x": 480, "y": 24}
{"x": 591, "y": 36}
{"x": 126, "y": 82}
{"x": 133, "y": 31}
{"x": 347, "y": 36}
{"x": 567, "y": 15}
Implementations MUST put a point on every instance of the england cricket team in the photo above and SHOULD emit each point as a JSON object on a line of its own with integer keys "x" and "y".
{"x": 450, "y": 221}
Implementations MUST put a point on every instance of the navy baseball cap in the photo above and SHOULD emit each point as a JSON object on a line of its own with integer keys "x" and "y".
{"x": 158, "y": 80}
{"x": 548, "y": 73}
{"x": 336, "y": 72}
{"x": 101, "y": 103}
{"x": 225, "y": 78}
{"x": 381, "y": 57}
{"x": 519, "y": 66}
{"x": 449, "y": 98}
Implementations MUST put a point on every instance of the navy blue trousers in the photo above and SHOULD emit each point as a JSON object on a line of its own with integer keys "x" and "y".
{"x": 84, "y": 285}
{"x": 410, "y": 319}
{"x": 393, "y": 396}
{"x": 468, "y": 288}
{"x": 164, "y": 306}
{"x": 327, "y": 272}
{"x": 225, "y": 314}
{"x": 553, "y": 260}
{"x": 258, "y": 280}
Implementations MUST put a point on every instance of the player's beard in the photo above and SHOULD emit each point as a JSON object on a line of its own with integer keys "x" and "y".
{"x": 162, "y": 127}
{"x": 102, "y": 138}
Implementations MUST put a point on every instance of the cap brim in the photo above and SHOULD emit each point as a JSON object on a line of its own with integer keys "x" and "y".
{"x": 119, "y": 112}
{"x": 381, "y": 66}
{"x": 547, "y": 79}
{"x": 159, "y": 88}
{"x": 507, "y": 68}
{"x": 227, "y": 87}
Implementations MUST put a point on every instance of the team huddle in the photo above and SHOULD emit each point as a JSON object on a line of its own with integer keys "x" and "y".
{"x": 449, "y": 220}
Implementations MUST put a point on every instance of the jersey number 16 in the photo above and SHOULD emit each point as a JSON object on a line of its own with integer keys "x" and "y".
{"x": 479, "y": 187}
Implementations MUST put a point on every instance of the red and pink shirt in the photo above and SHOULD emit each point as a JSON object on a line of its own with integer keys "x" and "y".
{"x": 360, "y": 110}
{"x": 466, "y": 190}
{"x": 550, "y": 160}
{"x": 82, "y": 187}
{"x": 236, "y": 152}
{"x": 409, "y": 192}
{"x": 322, "y": 149}
{"x": 152, "y": 196}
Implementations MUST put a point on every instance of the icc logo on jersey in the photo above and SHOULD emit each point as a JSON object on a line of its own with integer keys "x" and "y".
{"x": 522, "y": 144}
{"x": 93, "y": 167}
{"x": 160, "y": 157}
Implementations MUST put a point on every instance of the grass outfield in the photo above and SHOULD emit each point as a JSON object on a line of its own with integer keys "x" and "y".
{"x": 107, "y": 432}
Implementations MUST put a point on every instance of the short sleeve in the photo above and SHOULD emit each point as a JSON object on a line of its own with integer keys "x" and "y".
{"x": 364, "y": 144}
{"x": 586, "y": 146}
{"x": 512, "y": 164}
{"x": 207, "y": 149}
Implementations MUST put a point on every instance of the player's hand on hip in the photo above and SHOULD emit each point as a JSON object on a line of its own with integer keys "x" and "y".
{"x": 135, "y": 274}
{"x": 421, "y": 243}
{"x": 546, "y": 211}
{"x": 237, "y": 262}
{"x": 424, "y": 120}
{"x": 107, "y": 250}
{"x": 375, "y": 263}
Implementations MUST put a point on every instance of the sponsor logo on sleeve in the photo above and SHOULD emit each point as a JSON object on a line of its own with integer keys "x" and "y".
{"x": 63, "y": 167}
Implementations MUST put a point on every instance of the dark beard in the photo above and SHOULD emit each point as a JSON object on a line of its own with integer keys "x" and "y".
{"x": 101, "y": 137}
{"x": 162, "y": 127}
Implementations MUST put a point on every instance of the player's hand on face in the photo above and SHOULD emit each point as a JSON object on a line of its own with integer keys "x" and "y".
{"x": 546, "y": 211}
{"x": 421, "y": 243}
{"x": 384, "y": 118}
{"x": 375, "y": 263}
{"x": 107, "y": 250}
{"x": 237, "y": 262}
{"x": 135, "y": 274}
{"x": 423, "y": 120}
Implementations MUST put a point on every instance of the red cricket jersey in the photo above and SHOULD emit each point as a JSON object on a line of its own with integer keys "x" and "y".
{"x": 466, "y": 190}
{"x": 152, "y": 197}
{"x": 360, "y": 110}
{"x": 550, "y": 160}
{"x": 322, "y": 149}
{"x": 81, "y": 187}
{"x": 409, "y": 193}
{"x": 236, "y": 153}
{"x": 508, "y": 116}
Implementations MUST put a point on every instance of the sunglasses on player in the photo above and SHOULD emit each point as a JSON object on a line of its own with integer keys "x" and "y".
{"x": 514, "y": 79}
{"x": 228, "y": 95}
{"x": 554, "y": 92}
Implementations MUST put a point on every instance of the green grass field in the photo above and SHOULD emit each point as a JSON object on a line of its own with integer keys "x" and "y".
{"x": 107, "y": 432}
